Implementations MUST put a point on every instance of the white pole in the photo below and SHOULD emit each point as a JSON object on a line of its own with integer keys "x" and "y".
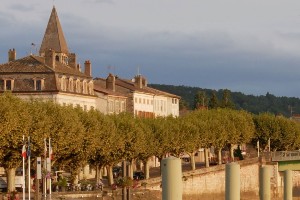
{"x": 45, "y": 169}
{"x": 50, "y": 165}
{"x": 269, "y": 144}
{"x": 23, "y": 170}
{"x": 29, "y": 184}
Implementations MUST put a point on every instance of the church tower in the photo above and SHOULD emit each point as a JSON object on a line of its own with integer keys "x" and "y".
{"x": 54, "y": 39}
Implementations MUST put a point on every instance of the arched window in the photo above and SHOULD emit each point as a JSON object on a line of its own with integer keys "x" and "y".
{"x": 57, "y": 58}
{"x": 84, "y": 87}
{"x": 71, "y": 84}
{"x": 78, "y": 88}
{"x": 63, "y": 83}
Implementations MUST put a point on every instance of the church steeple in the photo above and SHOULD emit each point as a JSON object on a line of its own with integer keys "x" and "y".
{"x": 54, "y": 37}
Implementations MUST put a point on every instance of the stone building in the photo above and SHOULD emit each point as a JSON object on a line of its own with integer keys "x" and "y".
{"x": 52, "y": 75}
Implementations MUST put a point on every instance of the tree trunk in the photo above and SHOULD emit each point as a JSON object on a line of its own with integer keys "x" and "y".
{"x": 98, "y": 173}
{"x": 231, "y": 153}
{"x": 146, "y": 169}
{"x": 192, "y": 161}
{"x": 10, "y": 175}
{"x": 76, "y": 176}
{"x": 110, "y": 175}
{"x": 219, "y": 156}
{"x": 130, "y": 170}
{"x": 206, "y": 157}
{"x": 159, "y": 160}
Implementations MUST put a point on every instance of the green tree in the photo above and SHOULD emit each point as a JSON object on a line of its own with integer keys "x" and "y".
{"x": 226, "y": 101}
{"x": 15, "y": 121}
{"x": 213, "y": 101}
{"x": 200, "y": 100}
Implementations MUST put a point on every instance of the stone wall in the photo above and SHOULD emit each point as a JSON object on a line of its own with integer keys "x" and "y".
{"x": 212, "y": 180}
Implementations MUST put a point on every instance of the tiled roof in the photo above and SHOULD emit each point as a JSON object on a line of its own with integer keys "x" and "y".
{"x": 99, "y": 86}
{"x": 145, "y": 89}
{"x": 35, "y": 64}
{"x": 26, "y": 64}
{"x": 54, "y": 37}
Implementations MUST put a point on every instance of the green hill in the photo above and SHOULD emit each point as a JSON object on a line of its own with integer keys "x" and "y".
{"x": 254, "y": 104}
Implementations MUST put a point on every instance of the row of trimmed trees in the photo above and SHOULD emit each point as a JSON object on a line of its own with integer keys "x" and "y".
{"x": 79, "y": 137}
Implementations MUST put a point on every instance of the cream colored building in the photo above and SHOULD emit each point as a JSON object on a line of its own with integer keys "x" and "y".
{"x": 52, "y": 75}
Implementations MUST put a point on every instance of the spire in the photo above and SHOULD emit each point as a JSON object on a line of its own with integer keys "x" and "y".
{"x": 54, "y": 37}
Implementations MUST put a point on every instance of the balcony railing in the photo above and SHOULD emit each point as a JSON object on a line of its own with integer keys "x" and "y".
{"x": 285, "y": 155}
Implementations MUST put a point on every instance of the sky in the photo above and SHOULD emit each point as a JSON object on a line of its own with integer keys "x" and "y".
{"x": 248, "y": 46}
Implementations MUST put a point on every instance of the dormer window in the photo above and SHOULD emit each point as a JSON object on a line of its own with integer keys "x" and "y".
{"x": 91, "y": 88}
{"x": 84, "y": 87}
{"x": 71, "y": 84}
{"x": 78, "y": 89}
{"x": 38, "y": 84}
{"x": 7, "y": 84}
{"x": 63, "y": 84}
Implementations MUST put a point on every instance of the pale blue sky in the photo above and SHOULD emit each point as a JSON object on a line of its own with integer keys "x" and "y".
{"x": 251, "y": 46}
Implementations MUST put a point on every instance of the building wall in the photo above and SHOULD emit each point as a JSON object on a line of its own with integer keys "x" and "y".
{"x": 85, "y": 102}
{"x": 143, "y": 104}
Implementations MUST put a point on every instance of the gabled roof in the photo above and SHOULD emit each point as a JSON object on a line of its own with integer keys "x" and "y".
{"x": 54, "y": 37}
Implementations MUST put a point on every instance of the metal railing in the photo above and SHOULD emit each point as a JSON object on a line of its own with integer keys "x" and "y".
{"x": 285, "y": 155}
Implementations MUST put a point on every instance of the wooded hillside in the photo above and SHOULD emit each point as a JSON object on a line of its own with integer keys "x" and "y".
{"x": 254, "y": 104}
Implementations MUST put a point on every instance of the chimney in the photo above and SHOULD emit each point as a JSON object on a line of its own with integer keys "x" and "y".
{"x": 72, "y": 60}
{"x": 12, "y": 54}
{"x": 87, "y": 68}
{"x": 139, "y": 81}
{"x": 111, "y": 82}
{"x": 50, "y": 58}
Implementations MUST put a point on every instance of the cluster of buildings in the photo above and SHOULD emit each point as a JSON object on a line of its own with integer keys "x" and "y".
{"x": 55, "y": 75}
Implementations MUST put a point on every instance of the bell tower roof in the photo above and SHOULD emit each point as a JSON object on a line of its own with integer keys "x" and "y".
{"x": 54, "y": 37}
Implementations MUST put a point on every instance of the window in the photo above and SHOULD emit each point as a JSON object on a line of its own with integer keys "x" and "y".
{"x": 71, "y": 85}
{"x": 84, "y": 87}
{"x": 63, "y": 84}
{"x": 122, "y": 106}
{"x": 117, "y": 106}
{"x": 57, "y": 58}
{"x": 110, "y": 106}
{"x": 8, "y": 85}
{"x": 91, "y": 88}
{"x": 38, "y": 84}
{"x": 78, "y": 90}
